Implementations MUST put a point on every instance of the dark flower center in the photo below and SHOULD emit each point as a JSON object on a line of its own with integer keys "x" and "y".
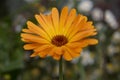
{"x": 59, "y": 40}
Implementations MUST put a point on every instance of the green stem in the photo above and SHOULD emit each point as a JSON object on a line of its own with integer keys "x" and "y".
{"x": 60, "y": 69}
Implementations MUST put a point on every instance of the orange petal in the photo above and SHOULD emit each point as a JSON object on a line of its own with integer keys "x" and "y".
{"x": 67, "y": 56}
{"x": 91, "y": 41}
{"x": 43, "y": 47}
{"x": 34, "y": 54}
{"x": 74, "y": 24}
{"x": 63, "y": 17}
{"x": 58, "y": 50}
{"x": 56, "y": 57}
{"x": 78, "y": 44}
{"x": 43, "y": 24}
{"x": 69, "y": 20}
{"x": 40, "y": 21}
{"x": 82, "y": 43}
{"x": 26, "y": 31}
{"x": 86, "y": 26}
{"x": 81, "y": 26}
{"x": 55, "y": 19}
{"x": 51, "y": 51}
{"x": 74, "y": 46}
{"x": 74, "y": 52}
{"x": 25, "y": 40}
{"x": 83, "y": 34}
{"x": 30, "y": 46}
{"x": 48, "y": 22}
{"x": 43, "y": 54}
{"x": 34, "y": 38}
{"x": 36, "y": 29}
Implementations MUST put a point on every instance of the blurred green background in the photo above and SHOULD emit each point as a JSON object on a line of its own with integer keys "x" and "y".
{"x": 100, "y": 62}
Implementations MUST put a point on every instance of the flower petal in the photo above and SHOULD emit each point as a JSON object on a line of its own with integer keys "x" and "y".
{"x": 43, "y": 47}
{"x": 63, "y": 17}
{"x": 91, "y": 41}
{"x": 34, "y": 54}
{"x": 74, "y": 24}
{"x": 37, "y": 30}
{"x": 83, "y": 34}
{"x": 31, "y": 46}
{"x": 45, "y": 52}
{"x": 26, "y": 31}
{"x": 58, "y": 50}
{"x": 43, "y": 24}
{"x": 34, "y": 38}
{"x": 74, "y": 52}
{"x": 69, "y": 20}
{"x": 55, "y": 19}
{"x": 42, "y": 52}
{"x": 81, "y": 26}
{"x": 67, "y": 56}
{"x": 56, "y": 57}
{"x": 82, "y": 43}
{"x": 48, "y": 22}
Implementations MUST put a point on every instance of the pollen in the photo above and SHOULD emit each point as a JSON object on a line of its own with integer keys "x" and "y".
{"x": 59, "y": 40}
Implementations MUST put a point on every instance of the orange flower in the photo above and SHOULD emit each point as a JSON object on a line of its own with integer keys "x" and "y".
{"x": 59, "y": 35}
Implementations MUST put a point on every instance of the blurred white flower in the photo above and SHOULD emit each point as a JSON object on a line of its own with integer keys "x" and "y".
{"x": 75, "y": 60}
{"x": 18, "y": 22}
{"x": 18, "y": 28}
{"x": 85, "y": 5}
{"x": 47, "y": 12}
{"x": 70, "y": 4}
{"x": 112, "y": 50}
{"x": 97, "y": 14}
{"x": 116, "y": 37}
{"x": 87, "y": 58}
{"x": 99, "y": 26}
{"x": 102, "y": 37}
{"x": 110, "y": 19}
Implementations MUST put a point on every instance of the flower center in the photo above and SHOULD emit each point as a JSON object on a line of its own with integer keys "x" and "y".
{"x": 59, "y": 40}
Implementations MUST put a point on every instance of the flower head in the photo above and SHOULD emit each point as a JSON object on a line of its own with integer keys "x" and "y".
{"x": 59, "y": 35}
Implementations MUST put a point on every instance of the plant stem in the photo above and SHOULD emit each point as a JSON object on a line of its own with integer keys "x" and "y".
{"x": 60, "y": 69}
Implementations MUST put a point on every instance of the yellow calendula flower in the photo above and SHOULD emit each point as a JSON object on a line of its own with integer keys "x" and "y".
{"x": 59, "y": 35}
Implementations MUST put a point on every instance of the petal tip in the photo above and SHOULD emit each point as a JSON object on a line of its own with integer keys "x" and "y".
{"x": 36, "y": 15}
{"x": 54, "y": 8}
{"x": 21, "y": 35}
{"x": 65, "y": 7}
{"x": 33, "y": 55}
{"x": 97, "y": 41}
{"x": 28, "y": 22}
